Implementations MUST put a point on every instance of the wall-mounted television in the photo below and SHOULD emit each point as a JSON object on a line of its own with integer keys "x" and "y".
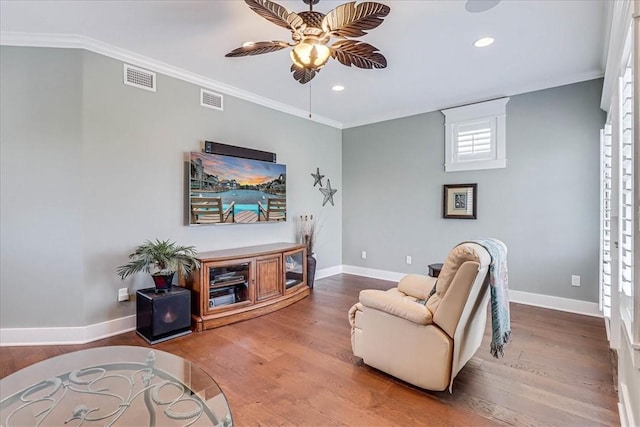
{"x": 233, "y": 190}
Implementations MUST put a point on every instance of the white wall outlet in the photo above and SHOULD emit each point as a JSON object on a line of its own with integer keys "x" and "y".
{"x": 364, "y": 255}
{"x": 123, "y": 294}
{"x": 409, "y": 260}
{"x": 575, "y": 280}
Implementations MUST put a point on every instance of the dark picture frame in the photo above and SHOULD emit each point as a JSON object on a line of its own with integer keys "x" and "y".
{"x": 460, "y": 201}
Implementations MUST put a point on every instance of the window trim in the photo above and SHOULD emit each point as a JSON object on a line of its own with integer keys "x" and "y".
{"x": 493, "y": 112}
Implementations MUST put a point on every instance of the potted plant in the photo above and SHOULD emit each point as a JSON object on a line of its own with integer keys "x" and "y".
{"x": 307, "y": 235}
{"x": 161, "y": 259}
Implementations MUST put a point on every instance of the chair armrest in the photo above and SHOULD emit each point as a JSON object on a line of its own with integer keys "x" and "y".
{"x": 396, "y": 305}
{"x": 352, "y": 313}
{"x": 416, "y": 285}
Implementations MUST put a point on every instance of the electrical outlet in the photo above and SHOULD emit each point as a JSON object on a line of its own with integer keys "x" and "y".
{"x": 409, "y": 260}
{"x": 123, "y": 294}
{"x": 575, "y": 280}
{"x": 364, "y": 255}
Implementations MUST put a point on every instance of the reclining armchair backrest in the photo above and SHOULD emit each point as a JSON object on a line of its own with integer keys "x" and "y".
{"x": 459, "y": 272}
{"x": 459, "y": 305}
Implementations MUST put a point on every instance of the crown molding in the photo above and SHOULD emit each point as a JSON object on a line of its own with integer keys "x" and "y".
{"x": 528, "y": 88}
{"x": 75, "y": 41}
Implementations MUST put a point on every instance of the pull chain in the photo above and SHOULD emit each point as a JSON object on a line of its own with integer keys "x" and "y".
{"x": 309, "y": 99}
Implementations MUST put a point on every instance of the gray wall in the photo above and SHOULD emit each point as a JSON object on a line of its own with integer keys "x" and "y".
{"x": 91, "y": 168}
{"x": 544, "y": 205}
{"x": 41, "y": 242}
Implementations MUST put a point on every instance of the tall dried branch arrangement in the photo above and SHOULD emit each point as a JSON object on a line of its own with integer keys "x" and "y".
{"x": 307, "y": 232}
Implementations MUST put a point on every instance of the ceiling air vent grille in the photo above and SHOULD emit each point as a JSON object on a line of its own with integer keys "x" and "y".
{"x": 137, "y": 77}
{"x": 210, "y": 99}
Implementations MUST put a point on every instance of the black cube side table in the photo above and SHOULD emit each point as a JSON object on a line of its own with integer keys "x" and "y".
{"x": 434, "y": 270}
{"x": 162, "y": 316}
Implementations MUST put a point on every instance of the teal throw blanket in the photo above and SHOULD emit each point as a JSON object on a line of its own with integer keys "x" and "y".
{"x": 499, "y": 285}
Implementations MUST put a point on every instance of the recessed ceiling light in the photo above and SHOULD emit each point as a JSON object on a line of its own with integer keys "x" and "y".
{"x": 484, "y": 42}
{"x": 337, "y": 88}
{"x": 248, "y": 44}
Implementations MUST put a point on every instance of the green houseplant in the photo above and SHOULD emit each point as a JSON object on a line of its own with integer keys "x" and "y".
{"x": 161, "y": 259}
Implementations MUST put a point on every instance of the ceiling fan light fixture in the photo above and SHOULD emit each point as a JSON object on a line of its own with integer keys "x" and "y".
{"x": 337, "y": 88}
{"x": 484, "y": 42}
{"x": 311, "y": 54}
{"x": 312, "y": 34}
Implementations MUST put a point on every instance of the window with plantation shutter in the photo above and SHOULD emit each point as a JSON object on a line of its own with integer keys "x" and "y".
{"x": 606, "y": 219}
{"x": 626, "y": 267}
{"x": 620, "y": 239}
{"x": 475, "y": 136}
{"x": 474, "y": 141}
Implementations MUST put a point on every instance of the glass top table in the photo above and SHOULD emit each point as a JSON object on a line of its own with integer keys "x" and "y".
{"x": 119, "y": 385}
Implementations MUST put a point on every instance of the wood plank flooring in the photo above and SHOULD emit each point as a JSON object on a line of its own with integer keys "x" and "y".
{"x": 295, "y": 367}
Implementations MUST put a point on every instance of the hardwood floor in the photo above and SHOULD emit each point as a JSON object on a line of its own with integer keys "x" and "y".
{"x": 295, "y": 367}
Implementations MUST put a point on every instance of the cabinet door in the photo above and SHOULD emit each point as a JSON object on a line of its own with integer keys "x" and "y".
{"x": 268, "y": 277}
{"x": 295, "y": 269}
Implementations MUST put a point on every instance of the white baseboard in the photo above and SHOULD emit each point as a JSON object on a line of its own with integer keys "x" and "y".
{"x": 556, "y": 303}
{"x": 373, "y": 273}
{"x": 327, "y": 272}
{"x": 85, "y": 334}
{"x": 66, "y": 335}
{"x": 538, "y": 300}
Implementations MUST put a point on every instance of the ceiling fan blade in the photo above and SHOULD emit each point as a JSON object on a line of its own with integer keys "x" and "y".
{"x": 360, "y": 54}
{"x": 276, "y": 14}
{"x": 351, "y": 20}
{"x": 258, "y": 48}
{"x": 303, "y": 75}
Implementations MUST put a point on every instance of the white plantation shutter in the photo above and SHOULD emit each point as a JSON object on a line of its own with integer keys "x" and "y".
{"x": 621, "y": 100}
{"x": 626, "y": 267}
{"x": 606, "y": 219}
{"x": 474, "y": 141}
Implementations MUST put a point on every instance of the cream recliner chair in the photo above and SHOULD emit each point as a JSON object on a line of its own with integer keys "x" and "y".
{"x": 426, "y": 344}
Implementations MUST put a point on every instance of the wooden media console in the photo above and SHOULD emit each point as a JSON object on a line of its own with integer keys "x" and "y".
{"x": 238, "y": 284}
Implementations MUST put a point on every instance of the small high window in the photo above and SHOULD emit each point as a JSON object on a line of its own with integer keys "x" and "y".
{"x": 475, "y": 136}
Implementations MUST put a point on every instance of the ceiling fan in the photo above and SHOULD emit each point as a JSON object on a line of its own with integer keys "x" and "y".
{"x": 312, "y": 31}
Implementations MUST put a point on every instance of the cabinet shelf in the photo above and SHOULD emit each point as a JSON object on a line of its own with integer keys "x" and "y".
{"x": 224, "y": 284}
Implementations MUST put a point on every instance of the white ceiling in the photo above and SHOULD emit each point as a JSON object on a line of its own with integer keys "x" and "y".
{"x": 428, "y": 46}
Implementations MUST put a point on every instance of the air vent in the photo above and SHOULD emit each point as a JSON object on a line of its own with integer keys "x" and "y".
{"x": 210, "y": 99}
{"x": 137, "y": 77}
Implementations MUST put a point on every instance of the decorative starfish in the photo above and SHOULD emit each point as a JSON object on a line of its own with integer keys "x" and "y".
{"x": 317, "y": 177}
{"x": 328, "y": 193}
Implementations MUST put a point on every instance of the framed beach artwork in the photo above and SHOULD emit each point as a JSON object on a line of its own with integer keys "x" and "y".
{"x": 460, "y": 201}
